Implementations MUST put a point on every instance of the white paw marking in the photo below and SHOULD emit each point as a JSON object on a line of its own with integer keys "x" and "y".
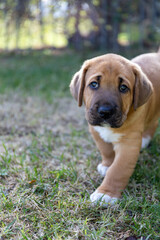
{"x": 107, "y": 134}
{"x": 102, "y": 169}
{"x": 102, "y": 199}
{"x": 145, "y": 142}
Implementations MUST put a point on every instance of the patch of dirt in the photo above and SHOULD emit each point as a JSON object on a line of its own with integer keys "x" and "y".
{"x": 22, "y": 118}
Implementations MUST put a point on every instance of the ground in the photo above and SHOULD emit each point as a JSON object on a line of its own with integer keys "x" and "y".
{"x": 48, "y": 171}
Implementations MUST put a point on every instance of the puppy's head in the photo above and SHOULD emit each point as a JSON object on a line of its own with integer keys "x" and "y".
{"x": 110, "y": 86}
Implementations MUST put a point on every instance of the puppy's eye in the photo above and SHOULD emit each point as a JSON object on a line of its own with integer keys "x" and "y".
{"x": 94, "y": 85}
{"x": 123, "y": 88}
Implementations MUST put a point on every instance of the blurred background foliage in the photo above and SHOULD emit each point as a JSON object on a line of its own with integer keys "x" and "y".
{"x": 44, "y": 42}
{"x": 80, "y": 24}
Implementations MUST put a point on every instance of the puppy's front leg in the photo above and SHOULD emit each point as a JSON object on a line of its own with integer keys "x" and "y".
{"x": 106, "y": 150}
{"x": 117, "y": 176}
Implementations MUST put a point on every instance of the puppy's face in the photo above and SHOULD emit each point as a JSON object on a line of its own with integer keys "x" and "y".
{"x": 108, "y": 92}
{"x": 110, "y": 86}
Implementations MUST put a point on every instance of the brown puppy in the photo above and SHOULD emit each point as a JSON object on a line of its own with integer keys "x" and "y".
{"x": 122, "y": 100}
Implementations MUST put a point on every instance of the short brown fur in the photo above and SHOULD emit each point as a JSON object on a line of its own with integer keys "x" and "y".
{"x": 139, "y": 108}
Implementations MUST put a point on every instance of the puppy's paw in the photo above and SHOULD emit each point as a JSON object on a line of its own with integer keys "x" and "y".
{"x": 102, "y": 169}
{"x": 145, "y": 142}
{"x": 102, "y": 199}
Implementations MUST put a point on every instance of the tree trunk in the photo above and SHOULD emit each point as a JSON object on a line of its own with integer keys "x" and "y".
{"x": 6, "y": 24}
{"x": 41, "y": 23}
{"x": 103, "y": 25}
{"x": 141, "y": 23}
{"x": 115, "y": 26}
{"x": 77, "y": 36}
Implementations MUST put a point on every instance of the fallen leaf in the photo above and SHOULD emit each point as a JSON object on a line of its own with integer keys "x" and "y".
{"x": 33, "y": 181}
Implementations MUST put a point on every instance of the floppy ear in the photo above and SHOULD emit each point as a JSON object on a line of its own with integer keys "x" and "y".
{"x": 143, "y": 87}
{"x": 78, "y": 83}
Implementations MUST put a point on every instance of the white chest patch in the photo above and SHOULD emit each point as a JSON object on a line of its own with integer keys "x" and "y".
{"x": 107, "y": 134}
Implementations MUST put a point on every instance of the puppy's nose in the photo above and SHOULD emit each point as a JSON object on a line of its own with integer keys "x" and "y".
{"x": 106, "y": 111}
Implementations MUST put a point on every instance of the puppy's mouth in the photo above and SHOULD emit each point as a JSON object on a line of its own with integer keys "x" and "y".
{"x": 101, "y": 116}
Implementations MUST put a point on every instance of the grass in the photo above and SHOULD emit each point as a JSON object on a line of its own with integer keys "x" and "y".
{"x": 48, "y": 161}
{"x": 35, "y": 73}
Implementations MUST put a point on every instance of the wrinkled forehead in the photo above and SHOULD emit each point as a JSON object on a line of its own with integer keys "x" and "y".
{"x": 110, "y": 67}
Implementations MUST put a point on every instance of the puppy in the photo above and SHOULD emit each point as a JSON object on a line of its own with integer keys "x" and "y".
{"x": 122, "y": 102}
